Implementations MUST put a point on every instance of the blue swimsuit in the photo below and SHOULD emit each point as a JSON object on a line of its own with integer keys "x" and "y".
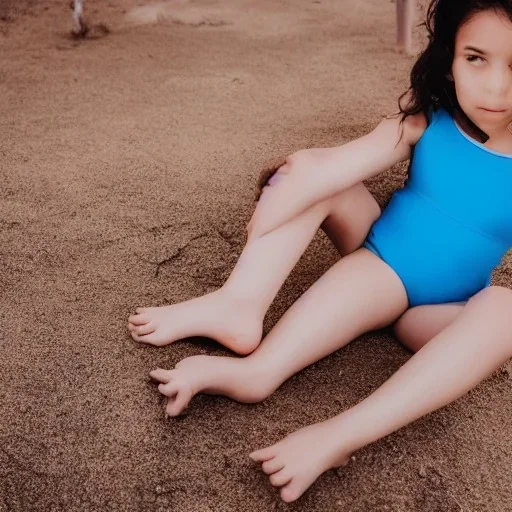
{"x": 450, "y": 225}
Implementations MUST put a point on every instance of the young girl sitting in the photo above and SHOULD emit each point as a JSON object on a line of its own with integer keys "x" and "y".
{"x": 423, "y": 265}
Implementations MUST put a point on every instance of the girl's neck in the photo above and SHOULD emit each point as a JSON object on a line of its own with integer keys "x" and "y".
{"x": 469, "y": 127}
{"x": 501, "y": 143}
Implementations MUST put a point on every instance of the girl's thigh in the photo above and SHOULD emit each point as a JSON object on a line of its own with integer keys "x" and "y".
{"x": 351, "y": 215}
{"x": 420, "y": 324}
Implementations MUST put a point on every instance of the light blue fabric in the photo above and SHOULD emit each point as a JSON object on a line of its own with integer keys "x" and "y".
{"x": 450, "y": 225}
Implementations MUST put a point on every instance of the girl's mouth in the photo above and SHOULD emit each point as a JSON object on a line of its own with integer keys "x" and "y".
{"x": 494, "y": 111}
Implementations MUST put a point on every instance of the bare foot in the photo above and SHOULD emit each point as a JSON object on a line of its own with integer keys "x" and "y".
{"x": 236, "y": 324}
{"x": 296, "y": 461}
{"x": 227, "y": 376}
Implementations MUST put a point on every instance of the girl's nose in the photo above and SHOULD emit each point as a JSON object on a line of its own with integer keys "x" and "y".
{"x": 499, "y": 83}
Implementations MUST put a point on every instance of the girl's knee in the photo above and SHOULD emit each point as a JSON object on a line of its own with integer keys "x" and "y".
{"x": 268, "y": 172}
{"x": 494, "y": 304}
{"x": 264, "y": 194}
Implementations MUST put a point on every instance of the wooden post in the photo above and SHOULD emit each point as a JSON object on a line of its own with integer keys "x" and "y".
{"x": 405, "y": 10}
{"x": 80, "y": 28}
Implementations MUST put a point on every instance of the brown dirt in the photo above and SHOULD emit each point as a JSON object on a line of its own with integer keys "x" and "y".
{"x": 129, "y": 164}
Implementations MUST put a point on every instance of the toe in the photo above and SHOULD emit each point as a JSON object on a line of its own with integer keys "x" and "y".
{"x": 140, "y": 310}
{"x": 263, "y": 454}
{"x": 160, "y": 375}
{"x": 150, "y": 339}
{"x": 170, "y": 388}
{"x": 272, "y": 465}
{"x": 148, "y": 328}
{"x": 177, "y": 405}
{"x": 138, "y": 319}
{"x": 296, "y": 488}
{"x": 135, "y": 337}
{"x": 280, "y": 478}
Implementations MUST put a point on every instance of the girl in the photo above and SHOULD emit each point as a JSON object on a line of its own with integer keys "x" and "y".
{"x": 424, "y": 265}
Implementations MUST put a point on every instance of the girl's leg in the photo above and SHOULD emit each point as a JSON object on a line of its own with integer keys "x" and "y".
{"x": 357, "y": 294}
{"x": 472, "y": 347}
{"x": 233, "y": 315}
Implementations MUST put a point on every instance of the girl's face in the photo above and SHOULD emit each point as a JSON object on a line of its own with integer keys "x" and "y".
{"x": 482, "y": 70}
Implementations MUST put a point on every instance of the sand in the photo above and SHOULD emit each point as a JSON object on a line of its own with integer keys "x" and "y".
{"x": 128, "y": 166}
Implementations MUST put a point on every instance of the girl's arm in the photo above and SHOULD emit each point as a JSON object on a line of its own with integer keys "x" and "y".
{"x": 313, "y": 175}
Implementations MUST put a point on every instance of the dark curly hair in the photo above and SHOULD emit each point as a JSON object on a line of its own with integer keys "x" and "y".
{"x": 430, "y": 86}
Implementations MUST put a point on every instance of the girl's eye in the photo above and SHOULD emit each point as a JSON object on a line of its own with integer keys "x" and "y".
{"x": 472, "y": 58}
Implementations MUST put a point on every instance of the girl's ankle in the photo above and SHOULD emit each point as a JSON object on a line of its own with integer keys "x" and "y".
{"x": 238, "y": 298}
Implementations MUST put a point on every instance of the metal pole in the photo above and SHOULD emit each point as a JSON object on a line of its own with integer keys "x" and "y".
{"x": 405, "y": 10}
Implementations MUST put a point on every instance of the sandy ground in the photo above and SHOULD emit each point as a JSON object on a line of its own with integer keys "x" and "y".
{"x": 128, "y": 165}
